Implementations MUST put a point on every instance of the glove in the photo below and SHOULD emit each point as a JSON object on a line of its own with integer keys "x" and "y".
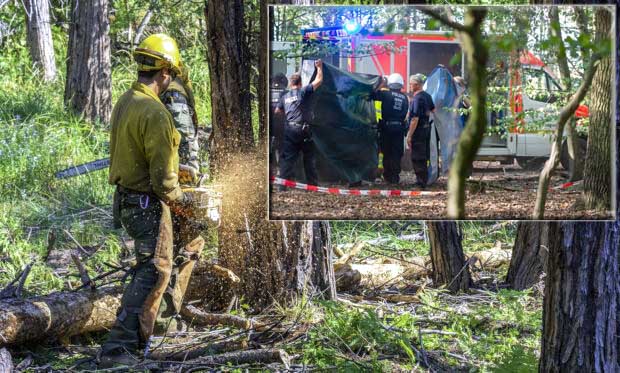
{"x": 184, "y": 206}
{"x": 188, "y": 175}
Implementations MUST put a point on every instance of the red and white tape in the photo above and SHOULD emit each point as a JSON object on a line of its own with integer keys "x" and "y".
{"x": 353, "y": 192}
{"x": 568, "y": 184}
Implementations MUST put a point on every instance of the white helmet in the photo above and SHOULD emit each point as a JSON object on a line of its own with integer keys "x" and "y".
{"x": 395, "y": 81}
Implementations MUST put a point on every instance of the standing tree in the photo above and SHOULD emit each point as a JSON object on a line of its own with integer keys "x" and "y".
{"x": 476, "y": 51}
{"x": 582, "y": 299}
{"x": 88, "y": 89}
{"x": 275, "y": 261}
{"x": 529, "y": 255}
{"x": 448, "y": 261}
{"x": 40, "y": 37}
{"x": 597, "y": 175}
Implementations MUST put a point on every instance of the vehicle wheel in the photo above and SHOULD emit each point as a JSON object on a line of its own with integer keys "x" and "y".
{"x": 582, "y": 144}
{"x": 531, "y": 163}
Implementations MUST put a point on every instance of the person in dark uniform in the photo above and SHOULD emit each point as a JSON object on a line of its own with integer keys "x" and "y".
{"x": 297, "y": 136}
{"x": 394, "y": 106}
{"x": 419, "y": 134}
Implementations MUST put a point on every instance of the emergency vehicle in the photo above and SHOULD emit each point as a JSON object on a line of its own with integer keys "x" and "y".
{"x": 421, "y": 51}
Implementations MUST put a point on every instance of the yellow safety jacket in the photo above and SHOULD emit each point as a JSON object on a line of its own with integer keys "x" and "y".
{"x": 144, "y": 145}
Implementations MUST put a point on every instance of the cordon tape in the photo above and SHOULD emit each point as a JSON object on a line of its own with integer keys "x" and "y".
{"x": 376, "y": 192}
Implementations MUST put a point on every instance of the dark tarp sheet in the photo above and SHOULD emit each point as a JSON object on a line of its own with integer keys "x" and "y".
{"x": 343, "y": 122}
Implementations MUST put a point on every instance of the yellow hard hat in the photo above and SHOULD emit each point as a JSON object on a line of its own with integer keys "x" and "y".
{"x": 156, "y": 52}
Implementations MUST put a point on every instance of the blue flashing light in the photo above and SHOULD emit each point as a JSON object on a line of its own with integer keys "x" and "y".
{"x": 352, "y": 27}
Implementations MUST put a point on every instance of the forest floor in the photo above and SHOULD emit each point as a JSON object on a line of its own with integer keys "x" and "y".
{"x": 494, "y": 191}
{"x": 401, "y": 324}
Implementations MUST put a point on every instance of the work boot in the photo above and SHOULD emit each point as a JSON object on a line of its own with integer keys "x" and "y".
{"x": 117, "y": 358}
{"x": 168, "y": 327}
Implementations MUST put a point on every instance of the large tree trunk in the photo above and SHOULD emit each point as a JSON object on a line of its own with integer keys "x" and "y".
{"x": 40, "y": 37}
{"x": 88, "y": 89}
{"x": 275, "y": 261}
{"x": 597, "y": 175}
{"x": 449, "y": 265}
{"x": 529, "y": 255}
{"x": 60, "y": 314}
{"x": 229, "y": 71}
{"x": 582, "y": 299}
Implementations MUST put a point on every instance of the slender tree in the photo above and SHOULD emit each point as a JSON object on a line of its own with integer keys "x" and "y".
{"x": 448, "y": 261}
{"x": 39, "y": 33}
{"x": 88, "y": 89}
{"x": 598, "y": 166}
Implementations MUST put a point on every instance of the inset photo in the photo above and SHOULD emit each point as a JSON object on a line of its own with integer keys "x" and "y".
{"x": 446, "y": 112}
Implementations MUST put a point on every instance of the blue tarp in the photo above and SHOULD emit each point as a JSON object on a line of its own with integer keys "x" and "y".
{"x": 446, "y": 124}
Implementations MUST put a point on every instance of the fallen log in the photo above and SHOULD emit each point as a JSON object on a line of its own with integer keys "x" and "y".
{"x": 60, "y": 314}
{"x": 201, "y": 318}
{"x": 6, "y": 363}
{"x": 352, "y": 276}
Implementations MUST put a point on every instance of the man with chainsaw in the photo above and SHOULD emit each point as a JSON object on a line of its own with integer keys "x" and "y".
{"x": 149, "y": 203}
{"x": 392, "y": 126}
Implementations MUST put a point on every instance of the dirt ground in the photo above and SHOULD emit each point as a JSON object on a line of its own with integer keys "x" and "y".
{"x": 508, "y": 193}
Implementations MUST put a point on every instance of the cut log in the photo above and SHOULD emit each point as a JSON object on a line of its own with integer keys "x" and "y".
{"x": 201, "y": 318}
{"x": 353, "y": 276}
{"x": 6, "y": 363}
{"x": 348, "y": 257}
{"x": 57, "y": 314}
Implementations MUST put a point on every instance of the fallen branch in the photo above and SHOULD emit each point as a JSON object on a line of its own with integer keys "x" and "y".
{"x": 261, "y": 356}
{"x": 189, "y": 354}
{"x": 60, "y": 314}
{"x": 201, "y": 318}
{"x": 15, "y": 291}
{"x": 6, "y": 363}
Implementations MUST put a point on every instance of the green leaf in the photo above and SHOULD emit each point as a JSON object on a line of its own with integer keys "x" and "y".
{"x": 389, "y": 28}
{"x": 456, "y": 59}
{"x": 432, "y": 24}
{"x": 408, "y": 350}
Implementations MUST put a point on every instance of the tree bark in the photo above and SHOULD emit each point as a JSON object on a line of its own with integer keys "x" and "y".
{"x": 229, "y": 71}
{"x": 449, "y": 265}
{"x": 6, "y": 362}
{"x": 88, "y": 88}
{"x": 263, "y": 76}
{"x": 597, "y": 175}
{"x": 39, "y": 33}
{"x": 57, "y": 314}
{"x": 529, "y": 255}
{"x": 582, "y": 299}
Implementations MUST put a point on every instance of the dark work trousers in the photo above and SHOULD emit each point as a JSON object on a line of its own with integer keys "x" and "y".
{"x": 392, "y": 136}
{"x": 295, "y": 141}
{"x": 420, "y": 154}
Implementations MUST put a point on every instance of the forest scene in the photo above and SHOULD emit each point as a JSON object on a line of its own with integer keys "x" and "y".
{"x": 265, "y": 295}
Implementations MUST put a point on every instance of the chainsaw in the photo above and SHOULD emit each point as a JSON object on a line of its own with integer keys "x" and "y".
{"x": 187, "y": 174}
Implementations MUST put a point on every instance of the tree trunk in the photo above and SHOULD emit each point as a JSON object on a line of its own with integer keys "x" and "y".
{"x": 566, "y": 112}
{"x": 575, "y": 162}
{"x": 57, "y": 314}
{"x": 449, "y": 265}
{"x": 229, "y": 71}
{"x": 6, "y": 362}
{"x": 597, "y": 175}
{"x": 582, "y": 299}
{"x": 529, "y": 255}
{"x": 476, "y": 51}
{"x": 40, "y": 37}
{"x": 88, "y": 89}
{"x": 275, "y": 261}
{"x": 263, "y": 76}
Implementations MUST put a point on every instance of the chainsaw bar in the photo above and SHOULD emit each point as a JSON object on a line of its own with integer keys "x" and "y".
{"x": 83, "y": 168}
